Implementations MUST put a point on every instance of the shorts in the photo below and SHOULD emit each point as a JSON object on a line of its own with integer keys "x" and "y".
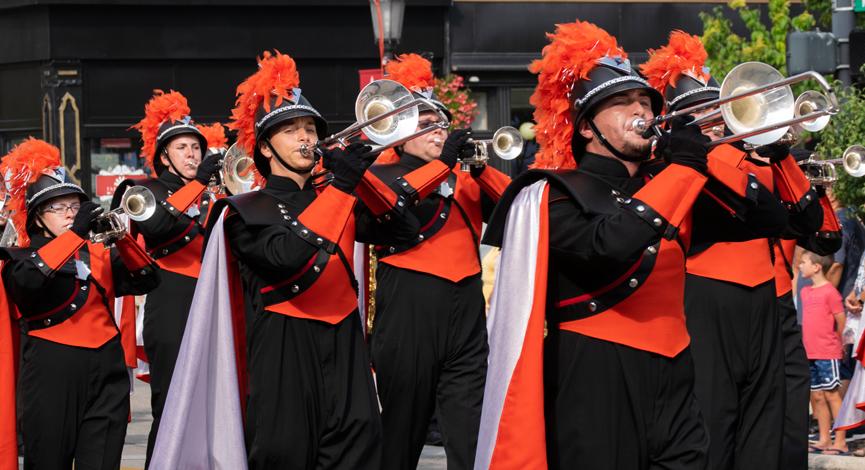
{"x": 825, "y": 374}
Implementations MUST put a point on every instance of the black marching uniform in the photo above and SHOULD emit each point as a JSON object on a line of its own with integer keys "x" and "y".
{"x": 429, "y": 342}
{"x": 74, "y": 385}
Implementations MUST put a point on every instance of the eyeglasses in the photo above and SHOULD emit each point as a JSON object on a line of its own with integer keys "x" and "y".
{"x": 427, "y": 123}
{"x": 61, "y": 209}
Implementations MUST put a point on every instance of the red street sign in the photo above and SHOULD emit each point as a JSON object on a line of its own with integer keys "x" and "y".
{"x": 107, "y": 184}
{"x": 369, "y": 75}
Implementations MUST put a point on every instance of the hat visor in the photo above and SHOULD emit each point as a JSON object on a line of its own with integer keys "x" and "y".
{"x": 289, "y": 114}
{"x": 63, "y": 189}
{"x": 587, "y": 109}
{"x": 168, "y": 137}
{"x": 696, "y": 98}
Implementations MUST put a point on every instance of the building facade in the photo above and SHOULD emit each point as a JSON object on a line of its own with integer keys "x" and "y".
{"x": 78, "y": 72}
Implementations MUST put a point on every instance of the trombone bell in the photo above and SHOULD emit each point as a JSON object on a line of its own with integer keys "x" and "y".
{"x": 812, "y": 102}
{"x": 774, "y": 105}
{"x": 380, "y": 98}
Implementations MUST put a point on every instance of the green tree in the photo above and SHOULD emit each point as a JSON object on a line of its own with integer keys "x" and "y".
{"x": 845, "y": 129}
{"x": 763, "y": 44}
{"x": 822, "y": 12}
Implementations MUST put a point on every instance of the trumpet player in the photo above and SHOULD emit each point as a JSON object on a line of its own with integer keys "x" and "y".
{"x": 428, "y": 342}
{"x": 590, "y": 364}
{"x": 731, "y": 297}
{"x": 73, "y": 380}
{"x": 172, "y": 150}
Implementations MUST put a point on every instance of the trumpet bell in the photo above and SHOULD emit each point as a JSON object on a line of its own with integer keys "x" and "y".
{"x": 507, "y": 143}
{"x": 381, "y": 97}
{"x": 762, "y": 109}
{"x": 238, "y": 175}
{"x": 138, "y": 203}
{"x": 853, "y": 161}
{"x": 812, "y": 102}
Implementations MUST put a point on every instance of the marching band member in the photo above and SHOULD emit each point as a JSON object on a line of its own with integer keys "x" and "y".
{"x": 600, "y": 253}
{"x": 74, "y": 385}
{"x": 172, "y": 149}
{"x": 311, "y": 400}
{"x": 428, "y": 341}
{"x": 730, "y": 296}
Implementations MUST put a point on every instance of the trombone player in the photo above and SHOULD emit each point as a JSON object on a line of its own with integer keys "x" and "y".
{"x": 74, "y": 384}
{"x": 172, "y": 150}
{"x": 428, "y": 342}
{"x": 731, "y": 297}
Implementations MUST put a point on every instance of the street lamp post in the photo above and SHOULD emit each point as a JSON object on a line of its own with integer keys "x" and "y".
{"x": 387, "y": 25}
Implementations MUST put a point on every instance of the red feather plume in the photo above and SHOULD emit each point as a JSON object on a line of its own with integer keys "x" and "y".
{"x": 20, "y": 168}
{"x": 214, "y": 134}
{"x": 684, "y": 53}
{"x": 411, "y": 71}
{"x": 276, "y": 78}
{"x": 171, "y": 106}
{"x": 572, "y": 53}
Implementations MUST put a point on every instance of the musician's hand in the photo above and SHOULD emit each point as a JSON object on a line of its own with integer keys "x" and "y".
{"x": 209, "y": 167}
{"x": 457, "y": 147}
{"x": 85, "y": 218}
{"x": 684, "y": 145}
{"x": 348, "y": 165}
{"x": 852, "y": 302}
{"x": 774, "y": 152}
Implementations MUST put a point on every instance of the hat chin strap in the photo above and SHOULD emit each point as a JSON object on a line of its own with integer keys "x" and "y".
{"x": 176, "y": 171}
{"x": 612, "y": 149}
{"x": 287, "y": 165}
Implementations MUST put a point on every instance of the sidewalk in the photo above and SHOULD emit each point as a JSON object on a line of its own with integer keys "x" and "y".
{"x": 838, "y": 462}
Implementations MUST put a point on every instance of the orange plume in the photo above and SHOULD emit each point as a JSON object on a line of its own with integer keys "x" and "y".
{"x": 171, "y": 106}
{"x": 20, "y": 168}
{"x": 573, "y": 52}
{"x": 276, "y": 78}
{"x": 411, "y": 71}
{"x": 214, "y": 134}
{"x": 684, "y": 53}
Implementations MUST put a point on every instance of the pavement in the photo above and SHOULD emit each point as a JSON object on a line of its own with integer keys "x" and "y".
{"x": 432, "y": 458}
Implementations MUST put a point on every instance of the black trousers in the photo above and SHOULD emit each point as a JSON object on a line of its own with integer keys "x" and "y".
{"x": 74, "y": 405}
{"x": 311, "y": 398}
{"x": 429, "y": 346}
{"x": 612, "y": 407}
{"x": 739, "y": 370}
{"x": 794, "y": 448}
{"x": 165, "y": 312}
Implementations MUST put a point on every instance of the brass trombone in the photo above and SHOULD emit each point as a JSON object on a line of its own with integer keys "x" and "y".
{"x": 756, "y": 103}
{"x": 138, "y": 203}
{"x": 387, "y": 113}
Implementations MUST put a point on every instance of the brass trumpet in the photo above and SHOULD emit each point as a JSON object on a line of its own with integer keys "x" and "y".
{"x": 823, "y": 172}
{"x": 138, "y": 203}
{"x": 506, "y": 143}
{"x": 756, "y": 103}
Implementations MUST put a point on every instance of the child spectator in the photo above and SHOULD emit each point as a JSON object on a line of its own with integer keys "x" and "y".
{"x": 822, "y": 324}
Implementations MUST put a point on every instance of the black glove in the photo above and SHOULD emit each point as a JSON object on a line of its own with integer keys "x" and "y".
{"x": 457, "y": 147}
{"x": 348, "y": 165}
{"x": 209, "y": 167}
{"x": 774, "y": 152}
{"x": 85, "y": 218}
{"x": 684, "y": 144}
